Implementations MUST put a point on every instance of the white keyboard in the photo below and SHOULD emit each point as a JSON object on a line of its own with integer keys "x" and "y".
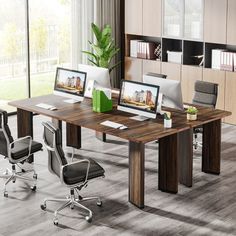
{"x": 46, "y": 106}
{"x": 113, "y": 125}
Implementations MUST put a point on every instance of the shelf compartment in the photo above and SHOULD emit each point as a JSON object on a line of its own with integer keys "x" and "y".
{"x": 130, "y": 37}
{"x": 193, "y": 53}
{"x": 170, "y": 45}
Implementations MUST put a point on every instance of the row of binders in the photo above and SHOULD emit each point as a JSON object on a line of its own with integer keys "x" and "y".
{"x": 223, "y": 60}
{"x": 145, "y": 50}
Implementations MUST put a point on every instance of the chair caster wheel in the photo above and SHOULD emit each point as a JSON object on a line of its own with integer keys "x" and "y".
{"x": 99, "y": 203}
{"x": 55, "y": 221}
{"x": 23, "y": 170}
{"x": 71, "y": 207}
{"x": 80, "y": 198}
{"x": 13, "y": 181}
{"x": 43, "y": 207}
{"x": 33, "y": 188}
{"x": 35, "y": 176}
{"x": 5, "y": 194}
{"x": 88, "y": 219}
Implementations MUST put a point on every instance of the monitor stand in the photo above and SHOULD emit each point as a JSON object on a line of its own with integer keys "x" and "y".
{"x": 139, "y": 118}
{"x": 71, "y": 101}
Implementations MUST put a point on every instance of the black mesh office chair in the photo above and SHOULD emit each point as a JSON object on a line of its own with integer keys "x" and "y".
{"x": 205, "y": 94}
{"x": 17, "y": 152}
{"x": 74, "y": 175}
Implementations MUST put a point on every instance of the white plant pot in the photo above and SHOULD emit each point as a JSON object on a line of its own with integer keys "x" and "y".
{"x": 167, "y": 123}
{"x": 191, "y": 117}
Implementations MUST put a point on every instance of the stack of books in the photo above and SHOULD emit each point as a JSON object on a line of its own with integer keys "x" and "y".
{"x": 142, "y": 49}
{"x": 223, "y": 60}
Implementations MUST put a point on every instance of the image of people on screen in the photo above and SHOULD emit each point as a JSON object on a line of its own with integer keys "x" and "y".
{"x": 70, "y": 82}
{"x": 138, "y": 96}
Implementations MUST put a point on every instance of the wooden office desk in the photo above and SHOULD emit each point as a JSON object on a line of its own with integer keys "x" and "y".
{"x": 175, "y": 144}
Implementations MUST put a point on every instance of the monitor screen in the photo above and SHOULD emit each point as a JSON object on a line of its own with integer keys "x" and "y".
{"x": 140, "y": 98}
{"x": 70, "y": 82}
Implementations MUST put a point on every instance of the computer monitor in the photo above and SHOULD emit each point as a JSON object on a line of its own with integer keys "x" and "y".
{"x": 170, "y": 90}
{"x": 70, "y": 84}
{"x": 138, "y": 98}
{"x": 96, "y": 77}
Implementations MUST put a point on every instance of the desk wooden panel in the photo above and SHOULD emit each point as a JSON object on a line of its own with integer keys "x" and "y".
{"x": 172, "y": 149}
{"x": 24, "y": 127}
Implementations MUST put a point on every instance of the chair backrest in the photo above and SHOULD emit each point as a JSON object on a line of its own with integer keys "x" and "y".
{"x": 53, "y": 142}
{"x": 5, "y": 134}
{"x": 205, "y": 94}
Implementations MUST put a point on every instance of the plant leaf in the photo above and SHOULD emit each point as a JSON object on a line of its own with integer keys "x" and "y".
{"x": 97, "y": 32}
{"x": 94, "y": 63}
{"x": 113, "y": 54}
{"x": 98, "y": 50}
{"x": 114, "y": 66}
{"x": 90, "y": 54}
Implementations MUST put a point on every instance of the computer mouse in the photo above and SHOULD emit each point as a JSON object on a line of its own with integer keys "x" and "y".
{"x": 123, "y": 127}
{"x": 53, "y": 109}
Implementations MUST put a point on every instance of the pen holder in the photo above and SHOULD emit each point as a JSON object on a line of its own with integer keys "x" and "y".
{"x": 167, "y": 123}
{"x": 100, "y": 101}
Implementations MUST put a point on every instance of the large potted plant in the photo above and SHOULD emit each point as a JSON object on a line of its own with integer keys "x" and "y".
{"x": 104, "y": 49}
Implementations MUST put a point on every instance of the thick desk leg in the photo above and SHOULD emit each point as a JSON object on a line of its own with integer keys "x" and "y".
{"x": 186, "y": 157}
{"x": 211, "y": 149}
{"x": 25, "y": 126}
{"x": 101, "y": 136}
{"x": 136, "y": 174}
{"x": 73, "y": 136}
{"x": 168, "y": 164}
{"x": 73, "y": 133}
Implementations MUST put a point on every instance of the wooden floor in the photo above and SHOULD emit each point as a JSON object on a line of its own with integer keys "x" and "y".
{"x": 208, "y": 208}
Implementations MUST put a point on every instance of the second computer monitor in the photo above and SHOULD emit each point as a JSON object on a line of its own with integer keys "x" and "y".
{"x": 138, "y": 98}
{"x": 170, "y": 89}
{"x": 96, "y": 77}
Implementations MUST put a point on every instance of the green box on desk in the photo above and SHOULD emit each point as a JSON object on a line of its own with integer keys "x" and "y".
{"x": 100, "y": 101}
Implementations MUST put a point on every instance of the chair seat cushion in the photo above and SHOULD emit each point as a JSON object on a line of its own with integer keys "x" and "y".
{"x": 21, "y": 149}
{"x": 76, "y": 172}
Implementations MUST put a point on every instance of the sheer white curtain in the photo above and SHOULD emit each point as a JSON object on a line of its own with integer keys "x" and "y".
{"x": 109, "y": 12}
{"x": 82, "y": 17}
{"x": 101, "y": 12}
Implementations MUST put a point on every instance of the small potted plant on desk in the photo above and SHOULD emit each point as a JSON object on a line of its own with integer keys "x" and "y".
{"x": 192, "y": 113}
{"x": 167, "y": 120}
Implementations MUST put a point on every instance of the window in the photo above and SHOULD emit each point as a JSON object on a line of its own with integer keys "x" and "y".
{"x": 49, "y": 43}
{"x": 13, "y": 83}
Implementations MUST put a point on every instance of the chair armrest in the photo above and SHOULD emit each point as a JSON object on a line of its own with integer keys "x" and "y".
{"x": 19, "y": 140}
{"x": 74, "y": 163}
{"x": 48, "y": 147}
